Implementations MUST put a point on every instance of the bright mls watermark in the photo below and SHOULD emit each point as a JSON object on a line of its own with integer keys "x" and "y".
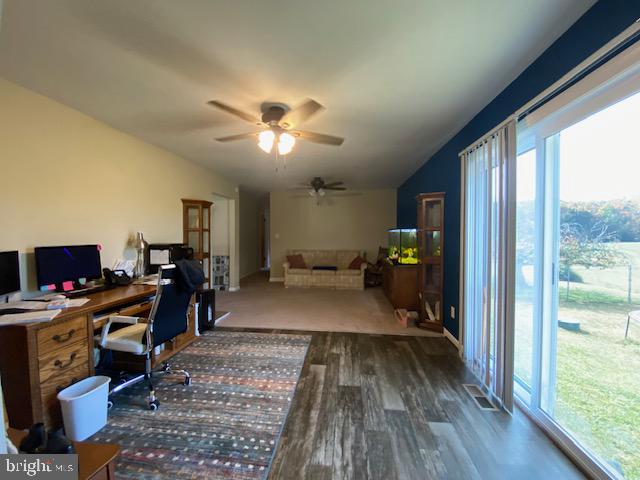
{"x": 45, "y": 466}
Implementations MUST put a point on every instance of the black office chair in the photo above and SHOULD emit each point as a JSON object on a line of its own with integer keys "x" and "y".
{"x": 168, "y": 318}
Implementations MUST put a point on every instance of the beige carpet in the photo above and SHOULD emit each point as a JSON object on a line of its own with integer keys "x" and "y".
{"x": 260, "y": 304}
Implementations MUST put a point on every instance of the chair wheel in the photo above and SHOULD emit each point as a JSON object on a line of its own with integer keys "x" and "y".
{"x": 154, "y": 405}
{"x": 109, "y": 404}
{"x": 187, "y": 381}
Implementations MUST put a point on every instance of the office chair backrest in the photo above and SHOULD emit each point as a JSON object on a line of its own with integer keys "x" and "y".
{"x": 170, "y": 307}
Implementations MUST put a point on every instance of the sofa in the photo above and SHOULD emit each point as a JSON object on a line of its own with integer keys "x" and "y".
{"x": 343, "y": 278}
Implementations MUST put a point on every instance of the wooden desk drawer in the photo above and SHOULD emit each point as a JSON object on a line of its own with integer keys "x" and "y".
{"x": 49, "y": 390}
{"x": 59, "y": 363}
{"x": 61, "y": 334}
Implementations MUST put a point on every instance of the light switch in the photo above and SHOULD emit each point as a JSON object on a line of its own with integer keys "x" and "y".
{"x": 453, "y": 311}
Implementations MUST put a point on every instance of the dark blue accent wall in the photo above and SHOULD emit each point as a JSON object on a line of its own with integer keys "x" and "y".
{"x": 441, "y": 172}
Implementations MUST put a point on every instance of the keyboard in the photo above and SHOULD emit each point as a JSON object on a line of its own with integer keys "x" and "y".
{"x": 86, "y": 291}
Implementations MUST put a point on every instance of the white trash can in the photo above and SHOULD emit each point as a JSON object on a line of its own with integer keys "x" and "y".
{"x": 84, "y": 407}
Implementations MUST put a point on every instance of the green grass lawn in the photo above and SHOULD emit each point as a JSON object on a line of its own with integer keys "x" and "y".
{"x": 598, "y": 379}
{"x": 598, "y": 372}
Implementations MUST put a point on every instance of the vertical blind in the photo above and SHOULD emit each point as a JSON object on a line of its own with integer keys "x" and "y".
{"x": 488, "y": 251}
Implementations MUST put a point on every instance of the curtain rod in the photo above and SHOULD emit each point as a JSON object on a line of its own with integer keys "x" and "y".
{"x": 583, "y": 70}
{"x": 472, "y": 146}
{"x": 621, "y": 42}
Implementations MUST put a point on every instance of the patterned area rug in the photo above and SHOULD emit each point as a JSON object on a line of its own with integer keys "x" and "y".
{"x": 225, "y": 425}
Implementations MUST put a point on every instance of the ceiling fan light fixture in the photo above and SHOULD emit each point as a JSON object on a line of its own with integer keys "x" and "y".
{"x": 286, "y": 141}
{"x": 265, "y": 140}
{"x": 322, "y": 192}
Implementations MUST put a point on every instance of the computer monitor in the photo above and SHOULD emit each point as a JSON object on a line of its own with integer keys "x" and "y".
{"x": 65, "y": 266}
{"x": 9, "y": 272}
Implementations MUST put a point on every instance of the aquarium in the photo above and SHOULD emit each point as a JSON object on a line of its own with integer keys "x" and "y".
{"x": 403, "y": 246}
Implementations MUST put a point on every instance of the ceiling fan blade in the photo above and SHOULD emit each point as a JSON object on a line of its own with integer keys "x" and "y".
{"x": 241, "y": 136}
{"x": 334, "y": 188}
{"x": 301, "y": 113}
{"x": 234, "y": 111}
{"x": 333, "y": 184}
{"x": 320, "y": 138}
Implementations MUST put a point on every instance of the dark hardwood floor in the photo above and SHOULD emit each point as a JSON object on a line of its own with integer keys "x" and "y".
{"x": 389, "y": 407}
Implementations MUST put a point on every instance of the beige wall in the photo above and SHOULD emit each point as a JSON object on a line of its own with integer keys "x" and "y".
{"x": 220, "y": 226}
{"x": 350, "y": 220}
{"x": 66, "y": 178}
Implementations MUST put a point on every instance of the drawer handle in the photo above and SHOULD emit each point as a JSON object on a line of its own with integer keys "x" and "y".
{"x": 61, "y": 365}
{"x": 60, "y": 388}
{"x": 65, "y": 337}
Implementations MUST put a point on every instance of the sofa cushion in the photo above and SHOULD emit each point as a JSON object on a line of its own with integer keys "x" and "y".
{"x": 299, "y": 271}
{"x": 321, "y": 257}
{"x": 296, "y": 261}
{"x": 344, "y": 257}
{"x": 348, "y": 273}
{"x": 356, "y": 263}
{"x": 324, "y": 273}
{"x": 324, "y": 267}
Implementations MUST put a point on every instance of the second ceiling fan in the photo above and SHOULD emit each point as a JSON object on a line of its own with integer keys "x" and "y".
{"x": 279, "y": 125}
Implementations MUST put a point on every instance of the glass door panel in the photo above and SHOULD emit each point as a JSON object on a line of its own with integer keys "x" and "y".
{"x": 432, "y": 244}
{"x": 577, "y": 257}
{"x": 433, "y": 214}
{"x": 205, "y": 242}
{"x": 194, "y": 241}
{"x": 596, "y": 390}
{"x": 525, "y": 304}
{"x": 193, "y": 217}
{"x": 205, "y": 218}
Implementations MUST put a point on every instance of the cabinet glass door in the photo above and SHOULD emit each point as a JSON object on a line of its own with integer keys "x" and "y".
{"x": 193, "y": 216}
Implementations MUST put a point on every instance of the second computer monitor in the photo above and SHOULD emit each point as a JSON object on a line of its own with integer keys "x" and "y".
{"x": 60, "y": 265}
{"x": 9, "y": 272}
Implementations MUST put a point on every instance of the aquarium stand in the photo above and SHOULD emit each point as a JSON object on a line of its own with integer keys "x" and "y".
{"x": 400, "y": 284}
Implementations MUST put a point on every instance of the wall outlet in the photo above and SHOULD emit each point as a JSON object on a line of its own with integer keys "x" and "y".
{"x": 452, "y": 311}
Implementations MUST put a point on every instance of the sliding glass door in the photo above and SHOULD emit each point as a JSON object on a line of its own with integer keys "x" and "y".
{"x": 577, "y": 341}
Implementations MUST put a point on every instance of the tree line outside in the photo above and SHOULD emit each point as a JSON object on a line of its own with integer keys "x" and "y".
{"x": 589, "y": 232}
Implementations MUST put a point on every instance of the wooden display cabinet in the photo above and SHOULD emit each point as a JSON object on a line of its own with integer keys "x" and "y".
{"x": 430, "y": 251}
{"x": 196, "y": 228}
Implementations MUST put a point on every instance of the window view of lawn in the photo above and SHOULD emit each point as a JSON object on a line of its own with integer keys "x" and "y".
{"x": 597, "y": 370}
{"x": 578, "y": 280}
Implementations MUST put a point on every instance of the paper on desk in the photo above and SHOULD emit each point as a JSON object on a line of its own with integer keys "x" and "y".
{"x": 147, "y": 280}
{"x": 50, "y": 296}
{"x": 25, "y": 305}
{"x": 29, "y": 317}
{"x": 66, "y": 303}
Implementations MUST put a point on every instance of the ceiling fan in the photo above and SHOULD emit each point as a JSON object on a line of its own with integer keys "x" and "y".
{"x": 279, "y": 124}
{"x": 318, "y": 187}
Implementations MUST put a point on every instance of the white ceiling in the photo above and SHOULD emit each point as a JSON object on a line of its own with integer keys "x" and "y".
{"x": 398, "y": 77}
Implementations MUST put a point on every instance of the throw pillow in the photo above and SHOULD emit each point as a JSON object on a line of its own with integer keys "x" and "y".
{"x": 296, "y": 261}
{"x": 356, "y": 263}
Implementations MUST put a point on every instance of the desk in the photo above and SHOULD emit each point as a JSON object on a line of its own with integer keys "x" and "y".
{"x": 38, "y": 360}
{"x": 95, "y": 460}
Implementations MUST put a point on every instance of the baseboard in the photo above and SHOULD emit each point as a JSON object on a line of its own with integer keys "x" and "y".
{"x": 276, "y": 279}
{"x": 451, "y": 338}
{"x": 233, "y": 289}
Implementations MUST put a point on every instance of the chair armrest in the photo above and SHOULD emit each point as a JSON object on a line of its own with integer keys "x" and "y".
{"x": 286, "y": 266}
{"x": 123, "y": 319}
{"x": 115, "y": 319}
